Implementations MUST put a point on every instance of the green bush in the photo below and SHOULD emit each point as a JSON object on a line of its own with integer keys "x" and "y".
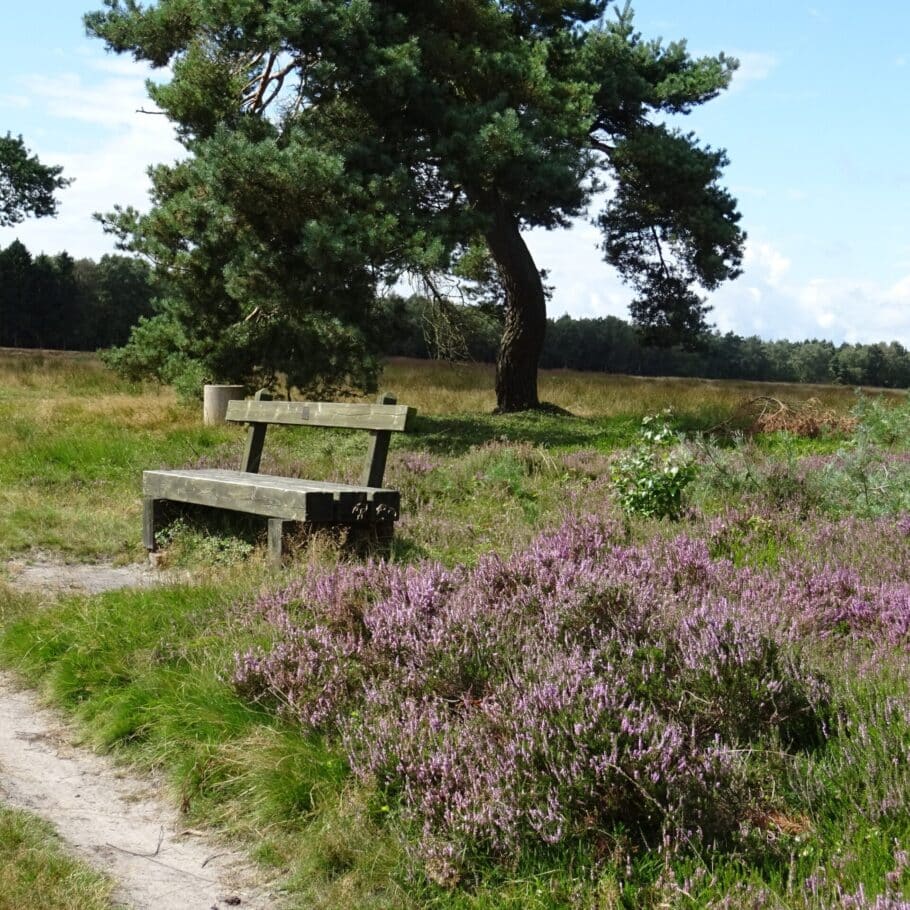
{"x": 651, "y": 478}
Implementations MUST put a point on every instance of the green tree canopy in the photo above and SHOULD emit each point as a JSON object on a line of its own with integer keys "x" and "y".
{"x": 27, "y": 186}
{"x": 338, "y": 144}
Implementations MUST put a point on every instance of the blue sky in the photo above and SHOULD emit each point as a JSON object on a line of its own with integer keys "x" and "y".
{"x": 816, "y": 126}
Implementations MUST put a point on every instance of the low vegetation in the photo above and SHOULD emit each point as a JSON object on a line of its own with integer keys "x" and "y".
{"x": 37, "y": 871}
{"x": 561, "y": 691}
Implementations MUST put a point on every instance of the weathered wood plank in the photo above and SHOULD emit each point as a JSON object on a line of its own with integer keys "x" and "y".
{"x": 255, "y": 439}
{"x": 270, "y": 480}
{"x": 149, "y": 529}
{"x": 393, "y": 418}
{"x": 378, "y": 452}
{"x": 264, "y": 494}
{"x": 241, "y": 492}
{"x": 276, "y": 539}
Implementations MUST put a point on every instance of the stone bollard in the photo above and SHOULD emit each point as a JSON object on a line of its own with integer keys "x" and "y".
{"x": 215, "y": 402}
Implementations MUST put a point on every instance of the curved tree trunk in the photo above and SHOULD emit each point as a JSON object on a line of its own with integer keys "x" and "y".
{"x": 526, "y": 316}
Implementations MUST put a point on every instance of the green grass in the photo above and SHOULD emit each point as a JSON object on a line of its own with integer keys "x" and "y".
{"x": 76, "y": 439}
{"x": 37, "y": 872}
{"x": 146, "y": 674}
{"x": 72, "y": 468}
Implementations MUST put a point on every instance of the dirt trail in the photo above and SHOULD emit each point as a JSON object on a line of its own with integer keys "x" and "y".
{"x": 117, "y": 823}
{"x": 45, "y": 573}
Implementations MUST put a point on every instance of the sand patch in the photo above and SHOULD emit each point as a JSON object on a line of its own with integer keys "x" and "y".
{"x": 119, "y": 824}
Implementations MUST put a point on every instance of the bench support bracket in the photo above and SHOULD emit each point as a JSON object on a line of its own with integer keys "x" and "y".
{"x": 378, "y": 453}
{"x": 255, "y": 438}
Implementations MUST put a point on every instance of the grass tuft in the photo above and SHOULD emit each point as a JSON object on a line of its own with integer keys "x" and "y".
{"x": 36, "y": 870}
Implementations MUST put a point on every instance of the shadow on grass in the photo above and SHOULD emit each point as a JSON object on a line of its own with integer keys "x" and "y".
{"x": 459, "y": 433}
{"x": 552, "y": 428}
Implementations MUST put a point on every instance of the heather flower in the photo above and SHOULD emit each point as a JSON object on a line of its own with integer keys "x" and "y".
{"x": 415, "y": 463}
{"x": 531, "y": 701}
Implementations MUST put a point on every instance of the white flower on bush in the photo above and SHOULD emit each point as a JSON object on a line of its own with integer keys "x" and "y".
{"x": 650, "y": 479}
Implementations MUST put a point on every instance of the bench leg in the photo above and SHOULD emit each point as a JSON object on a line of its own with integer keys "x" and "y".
{"x": 151, "y": 521}
{"x": 372, "y": 539}
{"x": 276, "y": 539}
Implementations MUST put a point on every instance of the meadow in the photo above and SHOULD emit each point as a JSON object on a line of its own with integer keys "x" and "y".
{"x": 607, "y": 664}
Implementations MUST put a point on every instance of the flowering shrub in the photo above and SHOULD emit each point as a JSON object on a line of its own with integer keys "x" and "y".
{"x": 551, "y": 697}
{"x": 651, "y": 477}
{"x": 416, "y": 463}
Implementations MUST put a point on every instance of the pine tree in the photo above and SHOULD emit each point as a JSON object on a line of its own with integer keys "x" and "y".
{"x": 337, "y": 144}
{"x": 27, "y": 186}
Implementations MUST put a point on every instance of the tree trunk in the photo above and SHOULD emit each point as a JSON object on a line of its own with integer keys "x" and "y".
{"x": 526, "y": 316}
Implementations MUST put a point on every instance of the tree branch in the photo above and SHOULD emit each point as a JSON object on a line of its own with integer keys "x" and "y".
{"x": 660, "y": 253}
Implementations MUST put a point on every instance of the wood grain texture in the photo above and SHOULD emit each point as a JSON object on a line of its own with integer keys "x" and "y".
{"x": 273, "y": 497}
{"x": 276, "y": 539}
{"x": 393, "y": 418}
{"x": 149, "y": 524}
{"x": 255, "y": 439}
{"x": 378, "y": 452}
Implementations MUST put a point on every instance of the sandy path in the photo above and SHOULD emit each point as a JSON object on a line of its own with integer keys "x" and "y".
{"x": 47, "y": 574}
{"x": 118, "y": 824}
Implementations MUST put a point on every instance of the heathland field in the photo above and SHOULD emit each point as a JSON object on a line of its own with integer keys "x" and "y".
{"x": 646, "y": 649}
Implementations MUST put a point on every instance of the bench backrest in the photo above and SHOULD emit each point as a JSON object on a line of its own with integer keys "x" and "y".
{"x": 392, "y": 417}
{"x": 382, "y": 419}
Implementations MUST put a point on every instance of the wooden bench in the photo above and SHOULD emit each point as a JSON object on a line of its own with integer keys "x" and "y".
{"x": 284, "y": 500}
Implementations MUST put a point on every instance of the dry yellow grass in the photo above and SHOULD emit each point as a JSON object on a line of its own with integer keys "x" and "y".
{"x": 75, "y": 438}
{"x": 443, "y": 388}
{"x": 79, "y": 386}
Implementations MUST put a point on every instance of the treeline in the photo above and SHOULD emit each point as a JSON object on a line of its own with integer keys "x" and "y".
{"x": 416, "y": 327}
{"x": 79, "y": 304}
{"x": 70, "y": 304}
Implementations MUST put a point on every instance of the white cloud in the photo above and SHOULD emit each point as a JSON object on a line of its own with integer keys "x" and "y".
{"x": 754, "y": 66}
{"x": 113, "y": 102}
{"x": 18, "y": 102}
{"x": 768, "y": 300}
{"x": 766, "y": 259}
{"x": 584, "y": 285}
{"x": 899, "y": 292}
{"x": 93, "y": 129}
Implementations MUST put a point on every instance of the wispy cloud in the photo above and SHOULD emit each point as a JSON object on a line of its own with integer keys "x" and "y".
{"x": 754, "y": 66}
{"x": 18, "y": 102}
{"x": 97, "y": 134}
{"x": 114, "y": 101}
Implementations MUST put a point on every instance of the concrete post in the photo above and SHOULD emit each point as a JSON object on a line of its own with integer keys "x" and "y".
{"x": 215, "y": 401}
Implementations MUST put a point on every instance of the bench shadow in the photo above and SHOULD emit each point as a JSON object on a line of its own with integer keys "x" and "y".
{"x": 211, "y": 535}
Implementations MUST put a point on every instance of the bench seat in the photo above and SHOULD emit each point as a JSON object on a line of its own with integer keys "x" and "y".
{"x": 288, "y": 498}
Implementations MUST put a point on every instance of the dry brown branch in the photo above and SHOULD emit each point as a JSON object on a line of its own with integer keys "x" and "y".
{"x": 765, "y": 414}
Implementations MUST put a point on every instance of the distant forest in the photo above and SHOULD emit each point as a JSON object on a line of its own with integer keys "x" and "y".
{"x": 70, "y": 304}
{"x": 79, "y": 304}
{"x": 415, "y": 327}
